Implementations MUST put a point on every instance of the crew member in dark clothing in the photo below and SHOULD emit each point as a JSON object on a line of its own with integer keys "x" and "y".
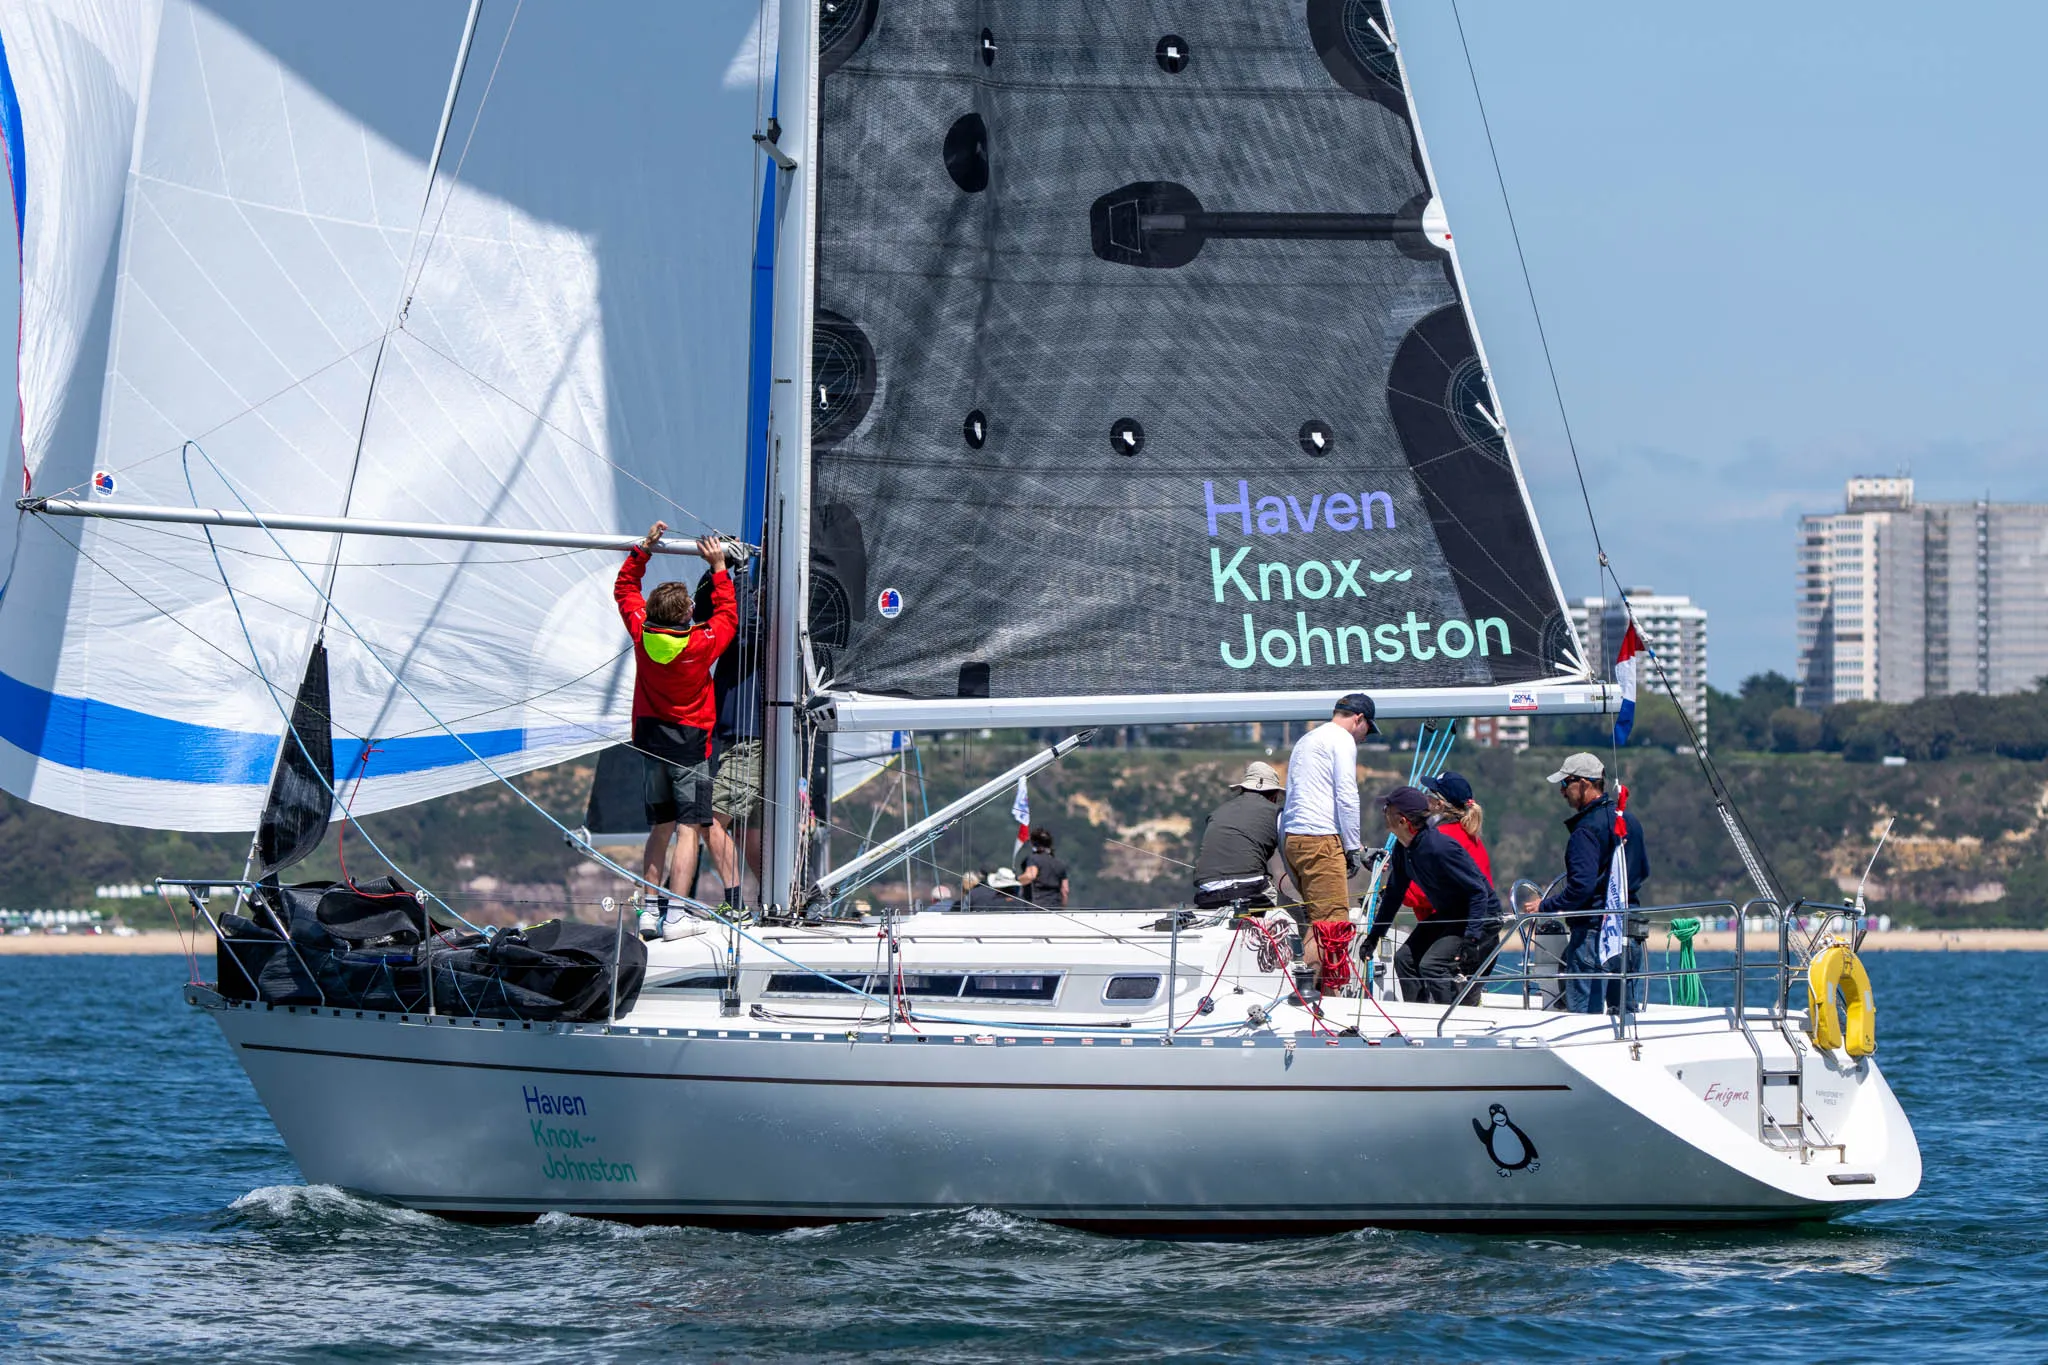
{"x": 1582, "y": 894}
{"x": 1455, "y": 939}
{"x": 1043, "y": 878}
{"x": 1239, "y": 840}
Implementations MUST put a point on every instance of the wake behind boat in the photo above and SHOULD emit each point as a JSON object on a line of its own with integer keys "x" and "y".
{"x": 1067, "y": 376}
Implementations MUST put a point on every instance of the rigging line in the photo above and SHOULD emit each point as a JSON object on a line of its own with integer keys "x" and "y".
{"x": 1528, "y": 284}
{"x": 461, "y": 160}
{"x": 255, "y": 672}
{"x": 167, "y": 533}
{"x": 1747, "y": 845}
{"x": 398, "y": 307}
{"x": 559, "y": 430}
{"x": 504, "y": 703}
{"x": 299, "y": 383}
{"x": 575, "y": 840}
{"x": 1723, "y": 796}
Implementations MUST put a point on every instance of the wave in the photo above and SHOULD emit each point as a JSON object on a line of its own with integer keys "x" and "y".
{"x": 300, "y": 1208}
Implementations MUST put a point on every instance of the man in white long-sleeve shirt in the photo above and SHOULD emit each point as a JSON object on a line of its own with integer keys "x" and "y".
{"x": 1319, "y": 821}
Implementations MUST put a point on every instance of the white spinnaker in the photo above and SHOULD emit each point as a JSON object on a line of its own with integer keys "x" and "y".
{"x": 573, "y": 357}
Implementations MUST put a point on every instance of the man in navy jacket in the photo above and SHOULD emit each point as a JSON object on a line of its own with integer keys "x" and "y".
{"x": 1454, "y": 941}
{"x": 1582, "y": 894}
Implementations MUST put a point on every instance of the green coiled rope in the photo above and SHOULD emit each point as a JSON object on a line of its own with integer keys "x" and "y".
{"x": 1682, "y": 984}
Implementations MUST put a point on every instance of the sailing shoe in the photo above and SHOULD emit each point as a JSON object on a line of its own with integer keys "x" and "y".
{"x": 650, "y": 922}
{"x": 679, "y": 925}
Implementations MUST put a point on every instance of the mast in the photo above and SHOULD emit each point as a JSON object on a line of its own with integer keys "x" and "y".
{"x": 789, "y": 439}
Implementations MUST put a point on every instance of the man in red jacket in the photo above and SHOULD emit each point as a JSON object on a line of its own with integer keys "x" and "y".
{"x": 673, "y": 708}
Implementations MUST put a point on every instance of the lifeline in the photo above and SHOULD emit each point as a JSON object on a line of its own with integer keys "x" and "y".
{"x": 1388, "y": 642}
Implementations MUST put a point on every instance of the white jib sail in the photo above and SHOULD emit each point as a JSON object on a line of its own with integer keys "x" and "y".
{"x": 218, "y": 206}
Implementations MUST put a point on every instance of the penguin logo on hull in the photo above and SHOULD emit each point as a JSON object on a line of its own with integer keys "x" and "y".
{"x": 1508, "y": 1146}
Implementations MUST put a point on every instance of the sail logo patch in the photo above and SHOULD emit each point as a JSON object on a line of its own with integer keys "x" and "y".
{"x": 890, "y": 604}
{"x": 103, "y": 482}
{"x": 1521, "y": 701}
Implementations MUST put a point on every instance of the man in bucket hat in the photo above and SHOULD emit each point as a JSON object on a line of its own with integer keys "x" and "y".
{"x": 1239, "y": 840}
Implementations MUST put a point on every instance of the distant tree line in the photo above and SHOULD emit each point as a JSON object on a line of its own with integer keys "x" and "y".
{"x": 1761, "y": 717}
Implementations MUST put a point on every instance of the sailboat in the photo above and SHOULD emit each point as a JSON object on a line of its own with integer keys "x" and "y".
{"x": 1064, "y": 372}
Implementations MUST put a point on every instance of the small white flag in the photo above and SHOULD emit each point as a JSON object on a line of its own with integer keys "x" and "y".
{"x": 1020, "y": 811}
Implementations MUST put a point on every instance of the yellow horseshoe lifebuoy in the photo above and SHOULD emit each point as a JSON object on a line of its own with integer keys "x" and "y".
{"x": 1837, "y": 967}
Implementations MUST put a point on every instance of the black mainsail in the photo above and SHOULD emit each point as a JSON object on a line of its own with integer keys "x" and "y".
{"x": 1141, "y": 366}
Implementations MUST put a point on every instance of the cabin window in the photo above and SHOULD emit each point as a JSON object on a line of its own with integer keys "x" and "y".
{"x": 816, "y": 983}
{"x": 1128, "y": 988}
{"x": 931, "y": 985}
{"x": 1019, "y": 986}
{"x": 694, "y": 983}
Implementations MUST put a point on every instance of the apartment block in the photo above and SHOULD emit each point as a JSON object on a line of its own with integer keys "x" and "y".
{"x": 1675, "y": 629}
{"x": 1898, "y": 599}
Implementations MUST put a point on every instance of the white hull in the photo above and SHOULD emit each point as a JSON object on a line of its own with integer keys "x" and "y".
{"x": 677, "y": 1115}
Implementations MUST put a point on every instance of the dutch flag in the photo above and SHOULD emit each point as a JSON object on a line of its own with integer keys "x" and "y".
{"x": 1020, "y": 811}
{"x": 1625, "y": 679}
{"x": 1614, "y": 923}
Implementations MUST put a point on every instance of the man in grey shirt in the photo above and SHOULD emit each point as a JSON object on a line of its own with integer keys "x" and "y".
{"x": 1239, "y": 841}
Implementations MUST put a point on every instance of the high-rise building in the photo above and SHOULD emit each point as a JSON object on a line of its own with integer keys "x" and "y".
{"x": 1674, "y": 628}
{"x": 1899, "y": 599}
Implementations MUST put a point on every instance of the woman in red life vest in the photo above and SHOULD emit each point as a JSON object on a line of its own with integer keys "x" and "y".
{"x": 674, "y": 709}
{"x": 1453, "y": 811}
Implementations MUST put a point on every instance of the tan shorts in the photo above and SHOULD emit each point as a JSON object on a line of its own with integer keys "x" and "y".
{"x": 736, "y": 787}
{"x": 1317, "y": 862}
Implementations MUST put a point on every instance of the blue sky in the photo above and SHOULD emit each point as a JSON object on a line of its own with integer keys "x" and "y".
{"x": 1774, "y": 246}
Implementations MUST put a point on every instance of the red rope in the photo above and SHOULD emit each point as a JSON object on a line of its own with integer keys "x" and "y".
{"x": 1210, "y": 994}
{"x": 341, "y": 839}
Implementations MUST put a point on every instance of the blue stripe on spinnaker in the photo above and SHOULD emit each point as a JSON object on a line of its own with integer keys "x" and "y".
{"x": 98, "y": 736}
{"x": 17, "y": 153}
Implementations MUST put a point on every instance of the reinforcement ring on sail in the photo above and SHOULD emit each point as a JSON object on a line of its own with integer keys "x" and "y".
{"x": 1316, "y": 437}
{"x": 842, "y": 376}
{"x": 1471, "y": 402}
{"x": 1172, "y": 54}
{"x": 1126, "y": 437}
{"x": 843, "y": 25}
{"x": 1354, "y": 41}
{"x": 974, "y": 430}
{"x": 988, "y": 47}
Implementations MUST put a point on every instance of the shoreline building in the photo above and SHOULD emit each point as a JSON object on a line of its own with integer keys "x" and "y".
{"x": 1675, "y": 629}
{"x": 1899, "y": 599}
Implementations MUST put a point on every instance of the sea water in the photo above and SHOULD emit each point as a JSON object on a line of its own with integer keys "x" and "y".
{"x": 147, "y": 1208}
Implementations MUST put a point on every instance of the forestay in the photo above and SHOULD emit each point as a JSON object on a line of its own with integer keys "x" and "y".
{"x": 221, "y": 209}
{"x": 1143, "y": 367}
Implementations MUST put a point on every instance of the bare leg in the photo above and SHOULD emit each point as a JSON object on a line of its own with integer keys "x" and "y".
{"x": 654, "y": 862}
{"x": 683, "y": 876}
{"x": 724, "y": 854}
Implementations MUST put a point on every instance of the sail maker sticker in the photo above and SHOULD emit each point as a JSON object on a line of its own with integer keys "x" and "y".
{"x": 1521, "y": 701}
{"x": 1294, "y": 639}
{"x": 890, "y": 604}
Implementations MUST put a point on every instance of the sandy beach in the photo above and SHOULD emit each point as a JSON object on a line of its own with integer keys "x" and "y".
{"x": 150, "y": 943}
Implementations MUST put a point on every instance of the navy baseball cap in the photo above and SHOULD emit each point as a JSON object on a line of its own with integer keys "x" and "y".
{"x": 1452, "y": 787}
{"x": 1410, "y": 803}
{"x": 1358, "y": 704}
